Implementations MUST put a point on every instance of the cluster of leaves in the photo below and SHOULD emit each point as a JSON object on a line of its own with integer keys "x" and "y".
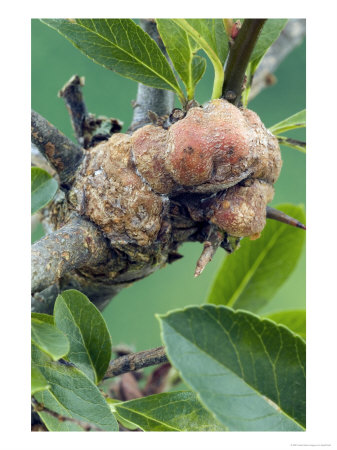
{"x": 122, "y": 46}
{"x": 245, "y": 371}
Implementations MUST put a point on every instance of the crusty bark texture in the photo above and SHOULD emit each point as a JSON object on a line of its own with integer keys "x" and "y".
{"x": 208, "y": 177}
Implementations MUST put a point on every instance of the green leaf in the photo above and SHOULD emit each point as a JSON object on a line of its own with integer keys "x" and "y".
{"x": 294, "y": 320}
{"x": 171, "y": 411}
{"x": 122, "y": 46}
{"x": 72, "y": 394}
{"x": 83, "y": 324}
{"x": 211, "y": 36}
{"x": 49, "y": 339}
{"x": 38, "y": 381}
{"x": 181, "y": 48}
{"x": 125, "y": 423}
{"x": 43, "y": 188}
{"x": 250, "y": 373}
{"x": 46, "y": 318}
{"x": 270, "y": 32}
{"x": 297, "y": 120}
{"x": 250, "y": 277}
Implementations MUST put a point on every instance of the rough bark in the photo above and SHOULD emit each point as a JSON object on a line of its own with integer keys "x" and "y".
{"x": 61, "y": 152}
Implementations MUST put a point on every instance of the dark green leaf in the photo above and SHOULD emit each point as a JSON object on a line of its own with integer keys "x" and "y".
{"x": 211, "y": 36}
{"x": 250, "y": 277}
{"x": 270, "y": 32}
{"x": 294, "y": 320}
{"x": 43, "y": 188}
{"x": 38, "y": 381}
{"x": 297, "y": 120}
{"x": 83, "y": 324}
{"x": 72, "y": 394}
{"x": 249, "y": 372}
{"x": 181, "y": 48}
{"x": 171, "y": 411}
{"x": 122, "y": 46}
{"x": 49, "y": 339}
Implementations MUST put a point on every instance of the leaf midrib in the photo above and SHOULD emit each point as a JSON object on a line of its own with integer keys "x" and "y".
{"x": 132, "y": 56}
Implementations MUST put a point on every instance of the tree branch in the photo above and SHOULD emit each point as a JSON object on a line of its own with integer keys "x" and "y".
{"x": 73, "y": 97}
{"x": 291, "y": 36}
{"x": 61, "y": 152}
{"x": 89, "y": 129}
{"x": 159, "y": 101}
{"x": 238, "y": 59}
{"x": 136, "y": 361}
{"x": 76, "y": 244}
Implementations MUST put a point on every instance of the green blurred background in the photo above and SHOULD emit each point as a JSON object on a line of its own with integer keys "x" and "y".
{"x": 131, "y": 315}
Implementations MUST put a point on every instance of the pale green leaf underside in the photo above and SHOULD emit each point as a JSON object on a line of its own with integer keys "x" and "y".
{"x": 72, "y": 394}
{"x": 122, "y": 46}
{"x": 171, "y": 411}
{"x": 180, "y": 48}
{"x": 249, "y": 372}
{"x": 297, "y": 120}
{"x": 49, "y": 339}
{"x": 83, "y": 324}
{"x": 295, "y": 320}
{"x": 43, "y": 188}
{"x": 249, "y": 278}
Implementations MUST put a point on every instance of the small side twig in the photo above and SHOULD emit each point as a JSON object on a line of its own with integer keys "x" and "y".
{"x": 89, "y": 129}
{"x": 210, "y": 247}
{"x": 39, "y": 407}
{"x": 280, "y": 216}
{"x": 61, "y": 152}
{"x": 136, "y": 361}
{"x": 73, "y": 97}
{"x": 238, "y": 59}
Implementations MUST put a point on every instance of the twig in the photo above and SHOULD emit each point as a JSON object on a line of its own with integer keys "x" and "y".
{"x": 39, "y": 407}
{"x": 136, "y": 361}
{"x": 73, "y": 97}
{"x": 76, "y": 244}
{"x": 89, "y": 129}
{"x": 210, "y": 247}
{"x": 280, "y": 216}
{"x": 159, "y": 101}
{"x": 61, "y": 152}
{"x": 238, "y": 59}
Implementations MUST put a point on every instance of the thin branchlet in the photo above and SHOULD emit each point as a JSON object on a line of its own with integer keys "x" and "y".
{"x": 238, "y": 59}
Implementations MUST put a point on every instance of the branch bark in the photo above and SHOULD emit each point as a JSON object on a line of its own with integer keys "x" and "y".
{"x": 136, "y": 361}
{"x": 159, "y": 101}
{"x": 61, "y": 152}
{"x": 76, "y": 244}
